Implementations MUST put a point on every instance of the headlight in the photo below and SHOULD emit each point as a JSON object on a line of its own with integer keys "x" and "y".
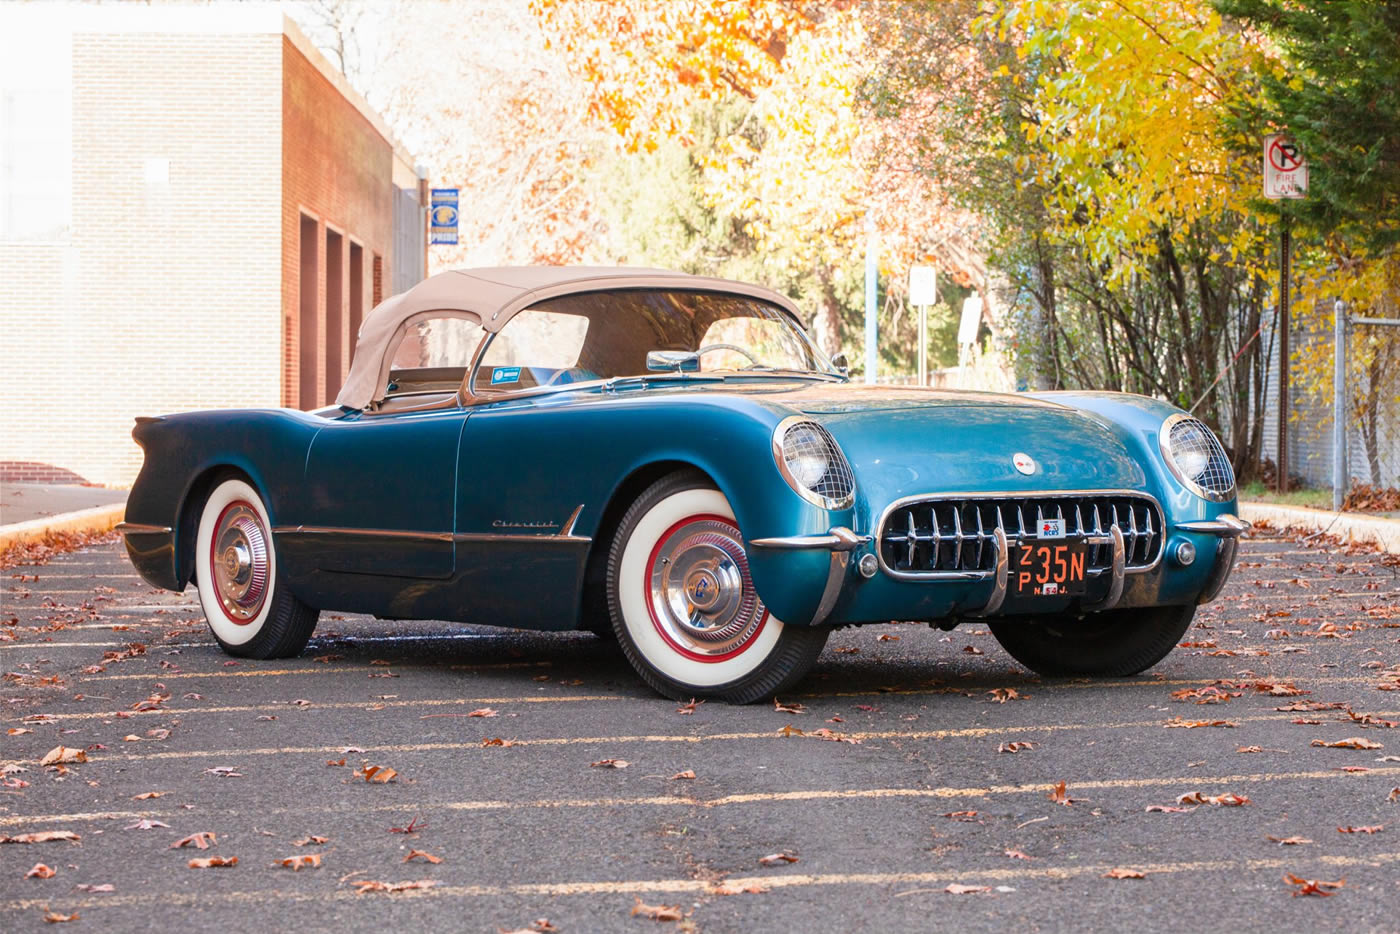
{"x": 1196, "y": 457}
{"x": 813, "y": 465}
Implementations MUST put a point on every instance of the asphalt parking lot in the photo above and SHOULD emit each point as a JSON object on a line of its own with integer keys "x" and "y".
{"x": 888, "y": 782}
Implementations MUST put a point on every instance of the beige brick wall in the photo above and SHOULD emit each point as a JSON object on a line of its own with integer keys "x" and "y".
{"x": 167, "y": 295}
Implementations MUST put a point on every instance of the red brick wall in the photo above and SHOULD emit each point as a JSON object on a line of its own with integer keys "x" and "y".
{"x": 337, "y": 168}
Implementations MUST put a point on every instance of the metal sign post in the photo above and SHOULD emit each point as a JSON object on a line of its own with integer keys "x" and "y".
{"x": 1285, "y": 176}
{"x": 872, "y": 291}
{"x": 923, "y": 292}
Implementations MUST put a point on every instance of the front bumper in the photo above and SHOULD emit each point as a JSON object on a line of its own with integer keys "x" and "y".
{"x": 983, "y": 593}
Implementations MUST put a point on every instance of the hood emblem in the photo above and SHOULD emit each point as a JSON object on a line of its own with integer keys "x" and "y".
{"x": 1023, "y": 463}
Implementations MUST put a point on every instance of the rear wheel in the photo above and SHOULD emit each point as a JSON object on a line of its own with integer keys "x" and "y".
{"x": 683, "y": 604}
{"x": 1112, "y": 644}
{"x": 250, "y": 611}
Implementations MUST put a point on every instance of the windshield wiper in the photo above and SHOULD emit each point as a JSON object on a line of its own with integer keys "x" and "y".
{"x": 641, "y": 379}
{"x": 787, "y": 371}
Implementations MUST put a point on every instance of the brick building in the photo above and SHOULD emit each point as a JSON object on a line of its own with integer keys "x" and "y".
{"x": 195, "y": 212}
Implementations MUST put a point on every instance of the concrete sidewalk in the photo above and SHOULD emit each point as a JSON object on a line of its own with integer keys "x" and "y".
{"x": 30, "y": 511}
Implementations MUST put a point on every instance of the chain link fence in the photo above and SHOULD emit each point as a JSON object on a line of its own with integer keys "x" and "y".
{"x": 1371, "y": 402}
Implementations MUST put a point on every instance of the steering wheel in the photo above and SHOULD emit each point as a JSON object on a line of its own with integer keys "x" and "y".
{"x": 570, "y": 374}
{"x": 734, "y": 347}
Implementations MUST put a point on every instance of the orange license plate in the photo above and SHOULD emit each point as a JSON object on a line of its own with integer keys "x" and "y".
{"x": 1048, "y": 569}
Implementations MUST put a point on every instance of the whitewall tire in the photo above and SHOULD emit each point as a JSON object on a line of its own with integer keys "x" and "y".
{"x": 250, "y": 611}
{"x": 684, "y": 607}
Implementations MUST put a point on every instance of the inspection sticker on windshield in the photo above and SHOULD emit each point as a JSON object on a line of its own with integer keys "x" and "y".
{"x": 1049, "y": 528}
{"x": 505, "y": 374}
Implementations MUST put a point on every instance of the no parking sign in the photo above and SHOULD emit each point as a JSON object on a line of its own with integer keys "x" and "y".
{"x": 1285, "y": 171}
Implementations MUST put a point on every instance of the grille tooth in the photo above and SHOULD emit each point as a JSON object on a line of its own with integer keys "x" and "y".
{"x": 945, "y": 544}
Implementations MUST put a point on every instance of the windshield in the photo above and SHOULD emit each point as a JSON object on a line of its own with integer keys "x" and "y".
{"x": 604, "y": 335}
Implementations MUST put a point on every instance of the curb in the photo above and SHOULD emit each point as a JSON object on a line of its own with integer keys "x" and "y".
{"x": 97, "y": 519}
{"x": 1349, "y": 527}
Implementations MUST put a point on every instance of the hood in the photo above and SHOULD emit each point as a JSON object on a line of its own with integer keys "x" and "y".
{"x": 952, "y": 447}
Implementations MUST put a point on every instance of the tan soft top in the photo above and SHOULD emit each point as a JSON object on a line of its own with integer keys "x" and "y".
{"x": 491, "y": 296}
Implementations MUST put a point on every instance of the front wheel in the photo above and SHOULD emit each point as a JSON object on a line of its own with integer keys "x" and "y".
{"x": 1112, "y": 644}
{"x": 250, "y": 610}
{"x": 684, "y": 607}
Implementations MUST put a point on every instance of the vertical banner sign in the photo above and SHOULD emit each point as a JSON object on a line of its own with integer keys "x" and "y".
{"x": 442, "y": 216}
{"x": 923, "y": 291}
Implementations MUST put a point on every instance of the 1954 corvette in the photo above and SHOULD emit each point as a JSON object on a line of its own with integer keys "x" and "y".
{"x": 668, "y": 458}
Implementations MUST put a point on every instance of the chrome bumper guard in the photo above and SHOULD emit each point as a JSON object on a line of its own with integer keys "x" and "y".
{"x": 840, "y": 541}
{"x": 1228, "y": 528}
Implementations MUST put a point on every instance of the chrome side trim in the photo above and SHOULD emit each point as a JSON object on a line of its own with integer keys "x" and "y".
{"x": 1103, "y": 539}
{"x": 1225, "y": 525}
{"x": 839, "y": 538}
{"x": 998, "y": 596}
{"x": 361, "y": 533}
{"x": 1115, "y": 587}
{"x": 140, "y": 528}
{"x": 430, "y": 536}
{"x": 835, "y": 577}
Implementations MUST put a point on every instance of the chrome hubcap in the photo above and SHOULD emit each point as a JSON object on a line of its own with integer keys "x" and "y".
{"x": 239, "y": 562}
{"x": 701, "y": 595}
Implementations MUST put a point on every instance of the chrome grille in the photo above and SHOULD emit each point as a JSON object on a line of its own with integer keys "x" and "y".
{"x": 956, "y": 535}
{"x": 804, "y": 437}
{"x": 1186, "y": 435}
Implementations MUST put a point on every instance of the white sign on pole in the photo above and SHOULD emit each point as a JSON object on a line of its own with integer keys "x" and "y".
{"x": 1285, "y": 170}
{"x": 971, "y": 319}
{"x": 923, "y": 286}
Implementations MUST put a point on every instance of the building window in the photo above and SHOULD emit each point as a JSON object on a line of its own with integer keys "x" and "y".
{"x": 307, "y": 336}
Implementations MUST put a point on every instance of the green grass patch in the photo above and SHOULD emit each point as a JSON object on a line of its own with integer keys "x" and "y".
{"x": 1313, "y": 498}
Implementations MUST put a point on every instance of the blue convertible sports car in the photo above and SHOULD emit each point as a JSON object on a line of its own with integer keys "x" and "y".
{"x": 669, "y": 459}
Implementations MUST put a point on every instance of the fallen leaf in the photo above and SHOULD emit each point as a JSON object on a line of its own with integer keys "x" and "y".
{"x": 147, "y": 823}
{"x": 1177, "y": 722}
{"x": 1277, "y": 688}
{"x": 1351, "y": 742}
{"x": 886, "y": 637}
{"x": 1016, "y": 746}
{"x": 1121, "y": 873}
{"x": 688, "y": 709}
{"x": 1393, "y": 796}
{"x": 1002, "y": 695}
{"x": 423, "y": 855}
{"x": 1374, "y": 828}
{"x": 41, "y": 836}
{"x": 327, "y": 659}
{"x": 413, "y": 826}
{"x": 497, "y": 741}
{"x": 104, "y": 887}
{"x": 833, "y": 736}
{"x": 224, "y": 771}
{"x": 788, "y": 708}
{"x": 791, "y": 730}
{"x": 366, "y": 885}
{"x": 966, "y": 817}
{"x": 1352, "y": 768}
{"x": 302, "y": 861}
{"x": 1227, "y": 800}
{"x": 1289, "y": 841}
{"x": 40, "y": 871}
{"x": 148, "y": 795}
{"x": 972, "y": 650}
{"x": 1168, "y": 809}
{"x": 375, "y": 774}
{"x": 484, "y": 712}
{"x": 334, "y": 763}
{"x": 1250, "y": 749}
{"x": 53, "y": 917}
{"x": 610, "y": 764}
{"x": 727, "y": 888}
{"x": 1015, "y": 854}
{"x": 656, "y": 912}
{"x": 1312, "y": 886}
{"x": 777, "y": 859}
{"x": 1059, "y": 795}
{"x": 63, "y": 755}
{"x": 311, "y": 841}
{"x": 687, "y": 775}
{"x": 214, "y": 862}
{"x": 202, "y": 840}
{"x": 957, "y": 888}
{"x": 18, "y": 731}
{"x": 1206, "y": 695}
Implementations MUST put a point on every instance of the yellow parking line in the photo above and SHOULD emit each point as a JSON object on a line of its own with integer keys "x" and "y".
{"x": 763, "y": 797}
{"x": 318, "y": 670}
{"x": 688, "y": 886}
{"x": 682, "y": 739}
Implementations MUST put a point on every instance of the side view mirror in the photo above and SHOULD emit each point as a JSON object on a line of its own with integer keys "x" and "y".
{"x": 842, "y": 365}
{"x": 674, "y": 361}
